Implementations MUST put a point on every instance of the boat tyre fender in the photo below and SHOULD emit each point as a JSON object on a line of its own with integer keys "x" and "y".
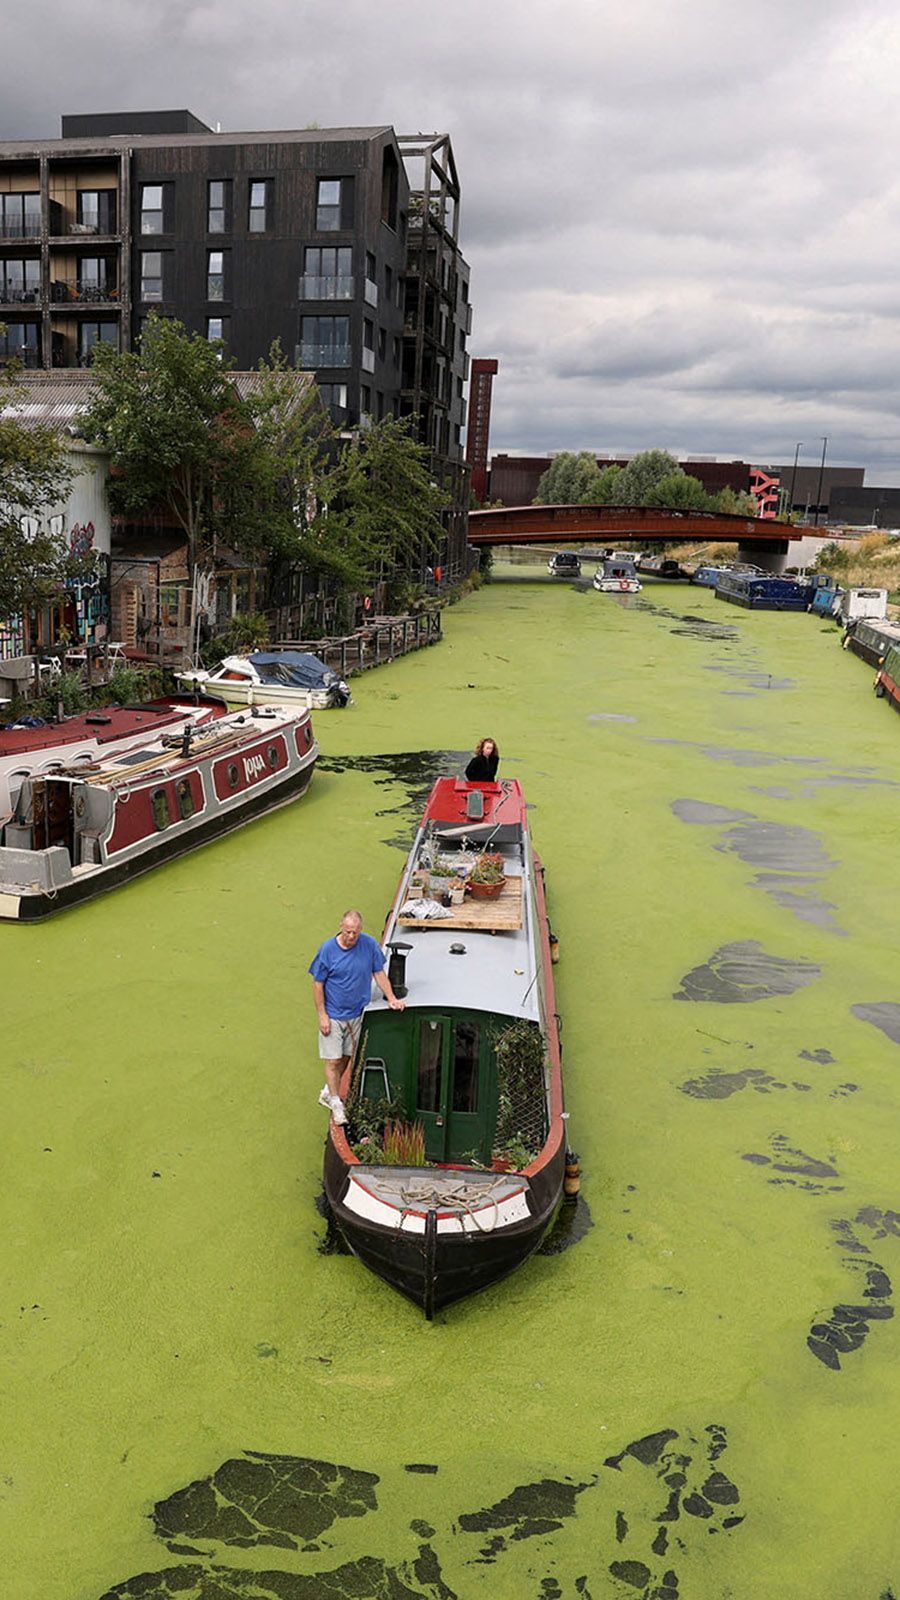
{"x": 879, "y": 689}
{"x": 430, "y": 1264}
{"x": 845, "y": 642}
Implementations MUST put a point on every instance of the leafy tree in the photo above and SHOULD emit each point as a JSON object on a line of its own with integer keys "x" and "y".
{"x": 35, "y": 474}
{"x": 569, "y": 480}
{"x": 735, "y": 502}
{"x": 175, "y": 428}
{"x": 386, "y": 508}
{"x": 642, "y": 474}
{"x": 679, "y": 492}
{"x": 608, "y": 485}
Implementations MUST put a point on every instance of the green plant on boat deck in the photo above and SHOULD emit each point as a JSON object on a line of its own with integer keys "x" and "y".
{"x": 487, "y": 869}
{"x": 369, "y": 1118}
{"x": 521, "y": 1093}
{"x": 404, "y": 1144}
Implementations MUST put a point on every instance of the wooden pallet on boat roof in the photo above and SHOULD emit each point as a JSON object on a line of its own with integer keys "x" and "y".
{"x": 502, "y": 915}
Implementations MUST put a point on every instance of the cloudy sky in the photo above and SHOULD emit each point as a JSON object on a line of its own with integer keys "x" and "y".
{"x": 682, "y": 216}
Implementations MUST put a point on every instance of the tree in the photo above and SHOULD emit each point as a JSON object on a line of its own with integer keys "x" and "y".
{"x": 35, "y": 474}
{"x": 387, "y": 508}
{"x": 736, "y": 502}
{"x": 569, "y": 480}
{"x": 608, "y": 485}
{"x": 175, "y": 428}
{"x": 642, "y": 474}
{"x": 680, "y": 492}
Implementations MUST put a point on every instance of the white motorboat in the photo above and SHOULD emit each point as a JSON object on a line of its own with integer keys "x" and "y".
{"x": 271, "y": 678}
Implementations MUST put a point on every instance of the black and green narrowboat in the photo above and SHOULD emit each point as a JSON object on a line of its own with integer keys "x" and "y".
{"x": 472, "y": 1063}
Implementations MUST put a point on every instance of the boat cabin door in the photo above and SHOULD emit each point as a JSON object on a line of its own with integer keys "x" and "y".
{"x": 53, "y": 821}
{"x": 451, "y": 1088}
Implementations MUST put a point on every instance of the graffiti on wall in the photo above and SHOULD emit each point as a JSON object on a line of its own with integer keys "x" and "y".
{"x": 88, "y": 583}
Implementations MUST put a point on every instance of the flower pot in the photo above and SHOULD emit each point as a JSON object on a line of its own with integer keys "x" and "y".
{"x": 486, "y": 891}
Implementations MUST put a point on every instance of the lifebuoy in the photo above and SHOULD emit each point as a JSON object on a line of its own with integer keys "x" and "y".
{"x": 623, "y": 583}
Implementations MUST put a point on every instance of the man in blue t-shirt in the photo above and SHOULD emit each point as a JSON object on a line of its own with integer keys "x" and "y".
{"x": 342, "y": 971}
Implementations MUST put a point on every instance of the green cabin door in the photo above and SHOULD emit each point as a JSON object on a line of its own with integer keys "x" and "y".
{"x": 451, "y": 1091}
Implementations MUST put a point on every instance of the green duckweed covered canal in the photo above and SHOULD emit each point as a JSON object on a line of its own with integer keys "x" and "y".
{"x": 698, "y": 1397}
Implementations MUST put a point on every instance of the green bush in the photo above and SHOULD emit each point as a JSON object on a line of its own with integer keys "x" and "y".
{"x": 245, "y": 631}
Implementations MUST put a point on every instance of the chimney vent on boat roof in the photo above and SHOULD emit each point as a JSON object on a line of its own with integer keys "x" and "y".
{"x": 475, "y": 805}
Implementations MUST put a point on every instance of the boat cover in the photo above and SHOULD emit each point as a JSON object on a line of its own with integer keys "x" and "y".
{"x": 293, "y": 667}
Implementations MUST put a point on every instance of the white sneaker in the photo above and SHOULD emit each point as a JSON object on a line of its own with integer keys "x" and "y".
{"x": 338, "y": 1114}
{"x": 325, "y": 1096}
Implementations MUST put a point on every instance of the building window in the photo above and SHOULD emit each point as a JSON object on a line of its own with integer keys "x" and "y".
{"x": 327, "y": 273}
{"x": 371, "y": 267}
{"x": 365, "y": 400}
{"x": 20, "y": 216}
{"x": 215, "y": 275}
{"x": 396, "y": 352}
{"x": 324, "y": 342}
{"x": 382, "y": 343}
{"x": 152, "y": 219}
{"x": 388, "y": 283}
{"x": 328, "y": 205}
{"x": 217, "y": 328}
{"x": 96, "y": 278}
{"x": 20, "y": 280}
{"x": 334, "y": 398}
{"x": 95, "y": 210}
{"x": 19, "y": 341}
{"x": 259, "y": 213}
{"x": 218, "y": 205}
{"x": 91, "y": 333}
{"x": 368, "y": 334}
{"x": 151, "y": 275}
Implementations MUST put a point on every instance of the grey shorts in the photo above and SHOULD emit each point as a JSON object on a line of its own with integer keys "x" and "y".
{"x": 342, "y": 1040}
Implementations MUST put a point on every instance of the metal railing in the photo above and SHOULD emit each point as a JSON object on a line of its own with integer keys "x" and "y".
{"x": 17, "y": 295}
{"x": 315, "y": 286}
{"x": 324, "y": 355}
{"x": 29, "y": 229}
{"x": 66, "y": 290}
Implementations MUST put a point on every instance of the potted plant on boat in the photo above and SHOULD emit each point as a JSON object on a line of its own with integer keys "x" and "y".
{"x": 486, "y": 880}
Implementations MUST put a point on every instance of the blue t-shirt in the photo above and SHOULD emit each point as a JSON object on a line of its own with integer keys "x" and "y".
{"x": 347, "y": 974}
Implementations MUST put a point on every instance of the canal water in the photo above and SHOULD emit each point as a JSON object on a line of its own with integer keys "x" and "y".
{"x": 693, "y": 1394}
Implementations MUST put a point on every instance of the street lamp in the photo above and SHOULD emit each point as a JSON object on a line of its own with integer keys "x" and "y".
{"x": 821, "y": 476}
{"x": 794, "y": 476}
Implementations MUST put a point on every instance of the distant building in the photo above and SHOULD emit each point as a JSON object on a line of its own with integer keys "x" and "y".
{"x": 483, "y": 373}
{"x": 865, "y": 508}
{"x": 514, "y": 479}
{"x": 340, "y": 243}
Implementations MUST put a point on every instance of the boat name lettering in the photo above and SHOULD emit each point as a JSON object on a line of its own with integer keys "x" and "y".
{"x": 254, "y": 766}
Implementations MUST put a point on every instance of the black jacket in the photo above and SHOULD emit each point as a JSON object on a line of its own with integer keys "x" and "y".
{"x": 483, "y": 769}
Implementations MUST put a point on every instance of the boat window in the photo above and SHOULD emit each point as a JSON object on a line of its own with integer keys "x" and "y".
{"x": 465, "y": 1067}
{"x": 233, "y": 775}
{"x": 159, "y": 805}
{"x": 185, "y": 798}
{"x": 428, "y": 1097}
{"x": 273, "y": 756}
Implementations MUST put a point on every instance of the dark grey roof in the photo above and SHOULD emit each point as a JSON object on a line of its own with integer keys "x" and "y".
{"x": 130, "y": 141}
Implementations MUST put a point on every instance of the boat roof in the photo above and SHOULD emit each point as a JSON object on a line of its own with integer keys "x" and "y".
{"x": 104, "y": 725}
{"x": 492, "y": 970}
{"x": 290, "y": 666}
{"x": 225, "y": 733}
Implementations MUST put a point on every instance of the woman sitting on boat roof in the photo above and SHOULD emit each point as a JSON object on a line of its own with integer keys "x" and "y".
{"x": 483, "y": 766}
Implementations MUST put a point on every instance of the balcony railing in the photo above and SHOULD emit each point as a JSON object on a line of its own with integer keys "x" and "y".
{"x": 370, "y": 292}
{"x": 313, "y": 356}
{"x": 315, "y": 287}
{"x": 17, "y": 295}
{"x": 66, "y": 290}
{"x": 11, "y": 229}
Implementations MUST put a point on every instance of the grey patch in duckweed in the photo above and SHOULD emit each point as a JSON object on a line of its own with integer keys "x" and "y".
{"x": 703, "y": 813}
{"x": 736, "y": 757}
{"x": 717, "y": 1084}
{"x": 610, "y": 716}
{"x": 847, "y": 1326}
{"x": 260, "y": 1499}
{"x": 573, "y": 1221}
{"x": 883, "y": 1014}
{"x": 798, "y": 1169}
{"x": 413, "y": 770}
{"x": 743, "y": 972}
{"x": 823, "y": 1057}
{"x": 531, "y": 1510}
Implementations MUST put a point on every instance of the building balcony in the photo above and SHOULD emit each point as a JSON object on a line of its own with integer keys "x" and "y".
{"x": 29, "y": 229}
{"x": 315, "y": 287}
{"x": 310, "y": 357}
{"x": 11, "y": 295}
{"x": 68, "y": 291}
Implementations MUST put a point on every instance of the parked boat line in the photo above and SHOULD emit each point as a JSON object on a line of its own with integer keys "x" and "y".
{"x": 474, "y": 1058}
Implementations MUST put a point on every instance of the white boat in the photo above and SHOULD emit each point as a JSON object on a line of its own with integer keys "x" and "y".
{"x": 271, "y": 678}
{"x": 617, "y": 575}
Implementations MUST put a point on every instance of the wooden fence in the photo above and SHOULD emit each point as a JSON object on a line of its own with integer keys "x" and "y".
{"x": 382, "y": 639}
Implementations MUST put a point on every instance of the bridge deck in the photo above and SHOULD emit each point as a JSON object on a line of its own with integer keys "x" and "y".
{"x": 649, "y": 524}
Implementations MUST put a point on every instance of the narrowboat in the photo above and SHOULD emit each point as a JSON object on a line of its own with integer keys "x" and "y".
{"x": 824, "y": 596}
{"x": 763, "y": 592}
{"x": 272, "y": 678}
{"x": 564, "y": 564}
{"x": 663, "y": 568}
{"x": 472, "y": 1066}
{"x": 871, "y": 640}
{"x": 868, "y": 603}
{"x": 28, "y": 750}
{"x": 887, "y": 682}
{"x": 707, "y": 575}
{"x": 84, "y": 829}
{"x": 616, "y": 575}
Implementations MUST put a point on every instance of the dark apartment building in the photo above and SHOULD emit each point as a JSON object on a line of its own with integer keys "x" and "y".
{"x": 316, "y": 238}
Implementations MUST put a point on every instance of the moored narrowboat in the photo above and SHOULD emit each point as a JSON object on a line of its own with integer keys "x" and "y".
{"x": 471, "y": 1069}
{"x": 79, "y": 831}
{"x": 824, "y": 596}
{"x": 887, "y": 683}
{"x": 763, "y": 593}
{"x": 871, "y": 640}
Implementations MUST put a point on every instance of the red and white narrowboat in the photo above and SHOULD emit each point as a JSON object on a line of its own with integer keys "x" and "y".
{"x": 81, "y": 830}
{"x": 27, "y": 752}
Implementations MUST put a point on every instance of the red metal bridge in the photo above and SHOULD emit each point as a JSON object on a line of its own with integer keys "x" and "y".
{"x": 648, "y": 524}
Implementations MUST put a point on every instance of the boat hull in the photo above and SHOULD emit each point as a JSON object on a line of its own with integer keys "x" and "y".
{"x": 244, "y": 694}
{"x": 434, "y": 1268}
{"x": 37, "y": 907}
